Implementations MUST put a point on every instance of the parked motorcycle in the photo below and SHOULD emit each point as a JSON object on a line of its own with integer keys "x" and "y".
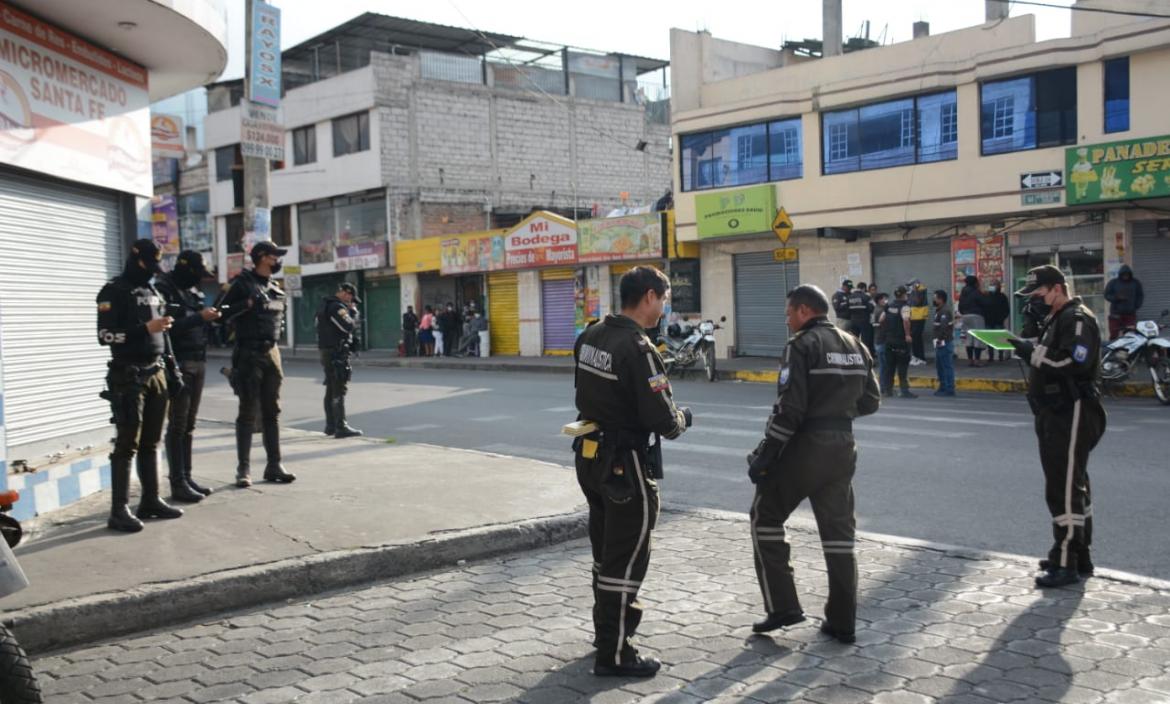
{"x": 1136, "y": 344}
{"x": 685, "y": 344}
{"x": 18, "y": 685}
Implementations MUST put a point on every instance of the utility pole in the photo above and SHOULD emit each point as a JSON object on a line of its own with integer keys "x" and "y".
{"x": 255, "y": 168}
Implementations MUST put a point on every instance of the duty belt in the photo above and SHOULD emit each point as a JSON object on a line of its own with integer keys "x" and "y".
{"x": 139, "y": 369}
{"x": 838, "y": 424}
{"x": 256, "y": 345}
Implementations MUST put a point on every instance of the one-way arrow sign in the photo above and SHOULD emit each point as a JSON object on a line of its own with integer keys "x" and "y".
{"x": 1041, "y": 179}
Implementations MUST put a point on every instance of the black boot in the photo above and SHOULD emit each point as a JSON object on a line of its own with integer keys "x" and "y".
{"x": 330, "y": 424}
{"x": 1057, "y": 577}
{"x": 187, "y": 442}
{"x": 180, "y": 490}
{"x": 780, "y": 619}
{"x": 344, "y": 429}
{"x": 120, "y": 517}
{"x": 150, "y": 505}
{"x": 273, "y": 471}
{"x": 243, "y": 455}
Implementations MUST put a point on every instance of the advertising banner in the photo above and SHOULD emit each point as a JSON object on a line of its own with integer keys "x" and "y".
{"x": 1138, "y": 168}
{"x": 541, "y": 239}
{"x": 984, "y": 257}
{"x": 261, "y": 134}
{"x": 71, "y": 109}
{"x": 265, "y": 59}
{"x": 740, "y": 212}
{"x": 166, "y": 136}
{"x": 631, "y": 237}
{"x": 164, "y": 219}
{"x": 472, "y": 253}
{"x": 362, "y": 255}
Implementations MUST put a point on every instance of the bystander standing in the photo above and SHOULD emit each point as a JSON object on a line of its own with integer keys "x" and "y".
{"x": 944, "y": 344}
{"x": 996, "y": 309}
{"x": 1125, "y": 297}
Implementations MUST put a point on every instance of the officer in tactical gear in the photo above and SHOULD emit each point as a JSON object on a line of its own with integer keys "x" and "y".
{"x": 132, "y": 322}
{"x": 189, "y": 340}
{"x": 622, "y": 387}
{"x": 860, "y": 311}
{"x": 336, "y": 325}
{"x": 1064, "y": 392}
{"x": 255, "y": 305}
{"x": 826, "y": 380}
{"x": 895, "y": 323}
{"x": 841, "y": 304}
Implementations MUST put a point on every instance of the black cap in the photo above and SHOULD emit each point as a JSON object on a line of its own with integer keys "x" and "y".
{"x": 147, "y": 252}
{"x": 847, "y": 282}
{"x": 1046, "y": 275}
{"x": 350, "y": 289}
{"x": 265, "y": 247}
{"x": 900, "y": 291}
{"x": 193, "y": 262}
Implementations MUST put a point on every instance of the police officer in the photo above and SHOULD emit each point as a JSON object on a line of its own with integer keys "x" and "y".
{"x": 1063, "y": 390}
{"x": 860, "y": 310}
{"x": 132, "y": 322}
{"x": 255, "y": 306}
{"x": 622, "y": 387}
{"x": 841, "y": 304}
{"x": 189, "y": 341}
{"x": 336, "y": 323}
{"x": 826, "y": 380}
{"x": 895, "y": 322}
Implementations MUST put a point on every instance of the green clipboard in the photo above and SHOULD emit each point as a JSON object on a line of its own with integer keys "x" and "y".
{"x": 995, "y": 339}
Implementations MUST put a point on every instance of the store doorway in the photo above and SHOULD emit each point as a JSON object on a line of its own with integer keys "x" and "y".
{"x": 1083, "y": 267}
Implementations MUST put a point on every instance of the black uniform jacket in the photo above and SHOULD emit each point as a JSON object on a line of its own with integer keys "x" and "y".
{"x": 621, "y": 381}
{"x": 124, "y": 309}
{"x": 860, "y": 307}
{"x": 189, "y": 331}
{"x": 827, "y": 376}
{"x": 1066, "y": 363}
{"x": 335, "y": 324}
{"x": 255, "y": 306}
{"x": 841, "y": 304}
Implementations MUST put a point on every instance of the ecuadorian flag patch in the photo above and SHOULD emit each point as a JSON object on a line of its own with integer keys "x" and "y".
{"x": 659, "y": 382}
{"x": 105, "y": 306}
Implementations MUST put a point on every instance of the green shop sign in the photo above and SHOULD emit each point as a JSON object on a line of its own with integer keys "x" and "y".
{"x": 741, "y": 212}
{"x": 1139, "y": 168}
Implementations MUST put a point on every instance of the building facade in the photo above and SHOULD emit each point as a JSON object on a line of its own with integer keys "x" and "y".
{"x": 979, "y": 151}
{"x": 404, "y": 142}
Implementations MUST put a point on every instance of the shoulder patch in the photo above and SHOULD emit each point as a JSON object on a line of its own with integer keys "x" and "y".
{"x": 783, "y": 375}
{"x": 105, "y": 306}
{"x": 1080, "y": 353}
{"x": 659, "y": 382}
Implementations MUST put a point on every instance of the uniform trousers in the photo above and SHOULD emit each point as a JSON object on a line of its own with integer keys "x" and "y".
{"x": 1067, "y": 434}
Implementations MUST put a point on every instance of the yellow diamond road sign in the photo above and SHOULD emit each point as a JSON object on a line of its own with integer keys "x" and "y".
{"x": 782, "y": 226}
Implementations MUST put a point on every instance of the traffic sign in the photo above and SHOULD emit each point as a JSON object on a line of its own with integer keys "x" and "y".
{"x": 782, "y": 226}
{"x": 1041, "y": 179}
{"x": 785, "y": 254}
{"x": 1040, "y": 198}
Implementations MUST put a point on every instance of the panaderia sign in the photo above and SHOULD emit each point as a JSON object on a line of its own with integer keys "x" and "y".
{"x": 71, "y": 109}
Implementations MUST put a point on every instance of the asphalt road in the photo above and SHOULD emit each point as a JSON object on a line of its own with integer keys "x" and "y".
{"x": 963, "y": 471}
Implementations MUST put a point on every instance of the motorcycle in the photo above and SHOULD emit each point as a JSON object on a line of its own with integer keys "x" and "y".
{"x": 1135, "y": 344}
{"x": 18, "y": 685}
{"x": 682, "y": 347}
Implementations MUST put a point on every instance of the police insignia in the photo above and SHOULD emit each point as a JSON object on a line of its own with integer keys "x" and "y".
{"x": 105, "y": 306}
{"x": 1080, "y": 353}
{"x": 783, "y": 375}
{"x": 658, "y": 382}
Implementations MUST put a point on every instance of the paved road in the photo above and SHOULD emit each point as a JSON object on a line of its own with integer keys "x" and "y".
{"x": 961, "y": 471}
{"x": 931, "y": 628}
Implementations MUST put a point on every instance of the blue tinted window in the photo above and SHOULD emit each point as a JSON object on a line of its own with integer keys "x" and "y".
{"x": 839, "y": 139}
{"x": 1117, "y": 95}
{"x": 785, "y": 153}
{"x": 696, "y": 152}
{"x": 1029, "y": 112}
{"x": 742, "y": 153}
{"x": 887, "y": 134}
{"x": 938, "y": 127}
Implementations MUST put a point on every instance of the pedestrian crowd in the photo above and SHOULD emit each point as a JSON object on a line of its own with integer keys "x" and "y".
{"x": 443, "y": 332}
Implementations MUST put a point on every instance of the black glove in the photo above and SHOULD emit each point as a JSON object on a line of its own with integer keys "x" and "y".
{"x": 690, "y": 419}
{"x": 761, "y": 458}
{"x": 1023, "y": 348}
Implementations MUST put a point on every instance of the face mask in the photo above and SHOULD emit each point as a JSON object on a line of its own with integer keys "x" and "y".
{"x": 1037, "y": 309}
{"x": 277, "y": 267}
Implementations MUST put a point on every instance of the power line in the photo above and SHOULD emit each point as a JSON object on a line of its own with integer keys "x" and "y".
{"x": 1081, "y": 8}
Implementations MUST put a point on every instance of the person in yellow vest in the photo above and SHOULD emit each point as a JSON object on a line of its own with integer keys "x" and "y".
{"x": 919, "y": 313}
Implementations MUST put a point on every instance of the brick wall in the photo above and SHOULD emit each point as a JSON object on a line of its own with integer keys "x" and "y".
{"x": 452, "y": 218}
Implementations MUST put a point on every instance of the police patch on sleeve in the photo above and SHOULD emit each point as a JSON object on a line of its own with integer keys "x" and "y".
{"x": 105, "y": 306}
{"x": 1080, "y": 353}
{"x": 658, "y": 382}
{"x": 783, "y": 375}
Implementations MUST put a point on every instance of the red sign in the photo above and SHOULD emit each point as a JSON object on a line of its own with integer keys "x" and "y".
{"x": 541, "y": 239}
{"x": 982, "y": 257}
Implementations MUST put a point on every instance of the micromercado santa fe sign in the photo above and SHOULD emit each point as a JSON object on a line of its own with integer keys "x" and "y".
{"x": 71, "y": 109}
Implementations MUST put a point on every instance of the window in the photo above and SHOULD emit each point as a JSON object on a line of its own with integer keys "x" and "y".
{"x": 329, "y": 228}
{"x": 351, "y": 134}
{"x": 938, "y": 127}
{"x": 739, "y": 156}
{"x": 887, "y": 134}
{"x": 227, "y": 159}
{"x": 892, "y": 133}
{"x": 1029, "y": 112}
{"x": 234, "y": 223}
{"x": 1117, "y": 95}
{"x": 305, "y": 145}
{"x": 785, "y": 158}
{"x": 281, "y": 226}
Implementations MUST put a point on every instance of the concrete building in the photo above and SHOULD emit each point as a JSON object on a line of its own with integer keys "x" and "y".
{"x": 75, "y": 186}
{"x": 979, "y": 151}
{"x": 401, "y": 132}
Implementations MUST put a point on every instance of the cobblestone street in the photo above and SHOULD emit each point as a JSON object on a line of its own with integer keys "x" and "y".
{"x": 933, "y": 627}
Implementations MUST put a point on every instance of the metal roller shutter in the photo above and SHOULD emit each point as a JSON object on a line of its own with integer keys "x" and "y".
{"x": 895, "y": 263}
{"x": 504, "y": 313}
{"x": 558, "y": 311}
{"x": 1151, "y": 266}
{"x": 761, "y": 290}
{"x": 59, "y": 244}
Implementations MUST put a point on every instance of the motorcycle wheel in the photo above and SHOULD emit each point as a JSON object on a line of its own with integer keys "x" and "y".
{"x": 1112, "y": 369}
{"x": 18, "y": 685}
{"x": 709, "y": 361}
{"x": 1160, "y": 375}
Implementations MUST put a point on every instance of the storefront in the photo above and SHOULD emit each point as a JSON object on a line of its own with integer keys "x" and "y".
{"x": 761, "y": 287}
{"x": 381, "y": 309}
{"x": 504, "y": 313}
{"x": 897, "y": 263}
{"x": 558, "y": 306}
{"x": 1151, "y": 264}
{"x": 1077, "y": 251}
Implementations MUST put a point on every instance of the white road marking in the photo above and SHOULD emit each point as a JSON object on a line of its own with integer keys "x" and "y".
{"x": 858, "y": 426}
{"x": 560, "y": 409}
{"x": 492, "y": 419}
{"x": 416, "y": 428}
{"x": 684, "y": 446}
{"x": 959, "y": 420}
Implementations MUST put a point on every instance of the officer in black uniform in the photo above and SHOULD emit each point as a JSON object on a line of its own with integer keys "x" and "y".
{"x": 336, "y": 324}
{"x": 189, "y": 339}
{"x": 622, "y": 387}
{"x": 1064, "y": 392}
{"x": 255, "y": 307}
{"x": 841, "y": 304}
{"x": 132, "y": 322}
{"x": 826, "y": 380}
{"x": 895, "y": 322}
{"x": 860, "y": 310}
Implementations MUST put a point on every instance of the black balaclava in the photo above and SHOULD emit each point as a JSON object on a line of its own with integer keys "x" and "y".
{"x": 145, "y": 252}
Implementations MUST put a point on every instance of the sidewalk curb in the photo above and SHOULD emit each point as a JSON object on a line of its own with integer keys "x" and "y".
{"x": 1002, "y": 386}
{"x": 807, "y": 525}
{"x": 102, "y": 616}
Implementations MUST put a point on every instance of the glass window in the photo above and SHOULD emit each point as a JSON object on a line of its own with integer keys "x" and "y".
{"x": 741, "y": 155}
{"x": 305, "y": 145}
{"x": 226, "y": 159}
{"x": 351, "y": 134}
{"x": 315, "y": 226}
{"x": 938, "y": 127}
{"x": 1029, "y": 112}
{"x": 785, "y": 152}
{"x": 887, "y": 134}
{"x": 840, "y": 141}
{"x": 281, "y": 226}
{"x": 1117, "y": 95}
{"x": 696, "y": 148}
{"x": 361, "y": 220}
